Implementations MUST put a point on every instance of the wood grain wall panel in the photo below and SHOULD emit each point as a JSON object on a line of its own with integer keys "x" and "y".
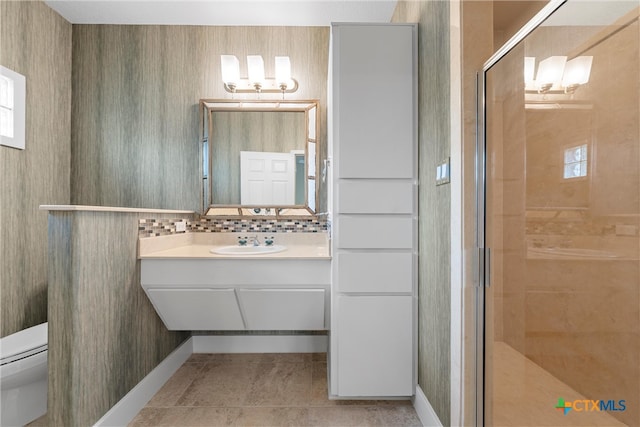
{"x": 434, "y": 295}
{"x": 136, "y": 92}
{"x": 35, "y": 42}
{"x": 104, "y": 335}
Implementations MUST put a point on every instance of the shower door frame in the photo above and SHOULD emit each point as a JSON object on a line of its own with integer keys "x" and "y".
{"x": 483, "y": 252}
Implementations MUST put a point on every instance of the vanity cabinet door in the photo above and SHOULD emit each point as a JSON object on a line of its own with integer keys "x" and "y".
{"x": 375, "y": 351}
{"x": 283, "y": 309}
{"x": 373, "y": 80}
{"x": 197, "y": 309}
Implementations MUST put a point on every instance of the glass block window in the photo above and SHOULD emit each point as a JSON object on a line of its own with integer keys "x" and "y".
{"x": 6, "y": 106}
{"x": 575, "y": 162}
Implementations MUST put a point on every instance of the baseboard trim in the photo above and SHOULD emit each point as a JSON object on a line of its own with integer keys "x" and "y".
{"x": 425, "y": 411}
{"x": 260, "y": 343}
{"x": 123, "y": 412}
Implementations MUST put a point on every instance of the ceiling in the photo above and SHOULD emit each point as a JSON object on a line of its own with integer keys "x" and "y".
{"x": 223, "y": 12}
{"x": 506, "y": 13}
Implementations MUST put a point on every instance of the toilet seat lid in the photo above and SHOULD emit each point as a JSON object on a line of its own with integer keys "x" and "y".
{"x": 24, "y": 343}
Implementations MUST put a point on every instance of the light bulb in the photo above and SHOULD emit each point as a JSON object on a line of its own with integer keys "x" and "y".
{"x": 230, "y": 70}
{"x": 255, "y": 64}
{"x": 550, "y": 72}
{"x": 577, "y": 71}
{"x": 283, "y": 71}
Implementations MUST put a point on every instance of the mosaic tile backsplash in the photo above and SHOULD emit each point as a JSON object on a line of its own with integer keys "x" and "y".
{"x": 576, "y": 223}
{"x": 162, "y": 227}
{"x": 151, "y": 227}
{"x": 579, "y": 228}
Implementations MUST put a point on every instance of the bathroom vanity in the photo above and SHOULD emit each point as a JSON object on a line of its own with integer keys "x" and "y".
{"x": 367, "y": 294}
{"x": 194, "y": 287}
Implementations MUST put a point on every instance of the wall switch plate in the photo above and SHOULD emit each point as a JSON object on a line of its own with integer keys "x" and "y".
{"x": 443, "y": 172}
{"x": 181, "y": 226}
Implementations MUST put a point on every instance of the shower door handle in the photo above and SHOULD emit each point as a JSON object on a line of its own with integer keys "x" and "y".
{"x": 484, "y": 267}
{"x": 487, "y": 267}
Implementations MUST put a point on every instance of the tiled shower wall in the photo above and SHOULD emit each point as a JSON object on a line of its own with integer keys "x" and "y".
{"x": 152, "y": 227}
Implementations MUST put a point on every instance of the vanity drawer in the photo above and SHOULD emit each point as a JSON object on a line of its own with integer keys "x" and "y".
{"x": 375, "y": 272}
{"x": 283, "y": 309}
{"x": 382, "y": 197}
{"x": 197, "y": 309}
{"x": 374, "y": 232}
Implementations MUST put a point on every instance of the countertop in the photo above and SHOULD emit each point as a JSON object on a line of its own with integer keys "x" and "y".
{"x": 309, "y": 246}
{"x": 204, "y": 251}
{"x": 87, "y": 208}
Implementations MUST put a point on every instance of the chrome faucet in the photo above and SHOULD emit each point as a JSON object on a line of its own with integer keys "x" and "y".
{"x": 256, "y": 241}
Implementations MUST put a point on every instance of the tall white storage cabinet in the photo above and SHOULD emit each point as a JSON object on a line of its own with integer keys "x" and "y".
{"x": 373, "y": 203}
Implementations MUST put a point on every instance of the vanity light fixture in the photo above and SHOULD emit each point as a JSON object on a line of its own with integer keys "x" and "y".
{"x": 556, "y": 74}
{"x": 256, "y": 81}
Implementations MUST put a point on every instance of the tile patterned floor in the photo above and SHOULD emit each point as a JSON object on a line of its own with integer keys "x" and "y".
{"x": 286, "y": 389}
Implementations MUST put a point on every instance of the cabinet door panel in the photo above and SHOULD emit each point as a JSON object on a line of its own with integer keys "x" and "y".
{"x": 373, "y": 85}
{"x": 363, "y": 196}
{"x": 197, "y": 309}
{"x": 375, "y": 272}
{"x": 375, "y": 346}
{"x": 283, "y": 309}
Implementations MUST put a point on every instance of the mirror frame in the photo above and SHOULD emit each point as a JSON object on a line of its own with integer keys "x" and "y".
{"x": 207, "y": 107}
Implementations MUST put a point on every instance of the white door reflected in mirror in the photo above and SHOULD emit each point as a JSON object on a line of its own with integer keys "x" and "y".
{"x": 267, "y": 178}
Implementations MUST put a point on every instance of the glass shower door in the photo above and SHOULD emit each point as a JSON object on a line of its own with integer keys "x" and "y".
{"x": 562, "y": 203}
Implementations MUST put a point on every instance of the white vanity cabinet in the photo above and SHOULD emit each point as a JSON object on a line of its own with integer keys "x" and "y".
{"x": 239, "y": 294}
{"x": 373, "y": 147}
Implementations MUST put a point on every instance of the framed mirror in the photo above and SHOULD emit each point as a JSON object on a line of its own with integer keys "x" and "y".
{"x": 259, "y": 157}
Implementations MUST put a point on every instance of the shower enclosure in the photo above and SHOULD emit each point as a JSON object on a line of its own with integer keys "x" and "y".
{"x": 559, "y": 203}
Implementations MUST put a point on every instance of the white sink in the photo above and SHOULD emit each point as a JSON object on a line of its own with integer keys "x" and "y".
{"x": 248, "y": 250}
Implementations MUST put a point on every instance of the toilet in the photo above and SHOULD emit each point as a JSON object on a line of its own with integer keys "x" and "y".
{"x": 23, "y": 376}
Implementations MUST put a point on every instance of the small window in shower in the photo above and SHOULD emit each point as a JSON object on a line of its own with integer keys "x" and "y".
{"x": 575, "y": 162}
